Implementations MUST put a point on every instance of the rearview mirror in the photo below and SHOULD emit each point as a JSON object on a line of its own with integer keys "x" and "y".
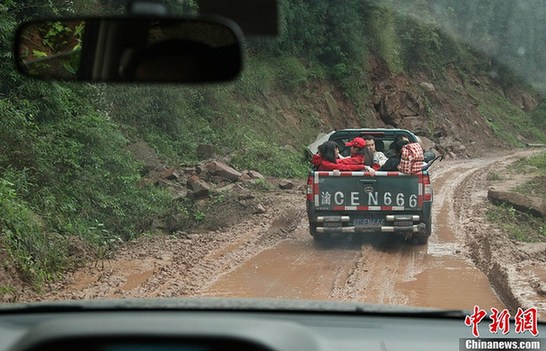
{"x": 130, "y": 49}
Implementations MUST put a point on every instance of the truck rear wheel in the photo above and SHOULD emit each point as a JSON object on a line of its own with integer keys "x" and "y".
{"x": 322, "y": 237}
{"x": 421, "y": 238}
{"x": 318, "y": 237}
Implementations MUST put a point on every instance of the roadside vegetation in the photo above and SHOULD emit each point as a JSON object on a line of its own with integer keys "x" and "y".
{"x": 67, "y": 178}
{"x": 516, "y": 224}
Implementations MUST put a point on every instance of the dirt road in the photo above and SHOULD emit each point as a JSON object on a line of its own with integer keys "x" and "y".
{"x": 272, "y": 255}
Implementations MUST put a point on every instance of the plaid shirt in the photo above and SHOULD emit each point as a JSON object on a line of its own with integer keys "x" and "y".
{"x": 412, "y": 159}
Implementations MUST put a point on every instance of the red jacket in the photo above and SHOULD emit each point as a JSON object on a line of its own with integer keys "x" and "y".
{"x": 346, "y": 164}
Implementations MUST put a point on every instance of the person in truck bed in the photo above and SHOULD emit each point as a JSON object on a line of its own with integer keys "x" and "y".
{"x": 327, "y": 159}
{"x": 392, "y": 163}
{"x": 378, "y": 157}
{"x": 360, "y": 154}
{"x": 411, "y": 159}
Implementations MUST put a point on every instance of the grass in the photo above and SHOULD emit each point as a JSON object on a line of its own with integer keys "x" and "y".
{"x": 494, "y": 176}
{"x": 518, "y": 225}
{"x": 537, "y": 185}
{"x": 509, "y": 122}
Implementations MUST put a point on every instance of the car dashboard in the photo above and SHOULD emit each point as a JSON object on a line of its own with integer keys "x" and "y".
{"x": 226, "y": 328}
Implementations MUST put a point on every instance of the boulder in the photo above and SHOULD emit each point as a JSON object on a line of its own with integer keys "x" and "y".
{"x": 259, "y": 209}
{"x": 205, "y": 151}
{"x": 145, "y": 154}
{"x": 286, "y": 184}
{"x": 429, "y": 87}
{"x": 220, "y": 169}
{"x": 199, "y": 187}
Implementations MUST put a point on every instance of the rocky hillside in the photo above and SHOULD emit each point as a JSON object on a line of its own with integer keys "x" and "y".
{"x": 451, "y": 113}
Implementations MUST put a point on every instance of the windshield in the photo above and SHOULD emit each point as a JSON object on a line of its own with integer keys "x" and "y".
{"x": 111, "y": 191}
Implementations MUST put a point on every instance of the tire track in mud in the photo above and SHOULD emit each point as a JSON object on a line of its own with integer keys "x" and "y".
{"x": 223, "y": 253}
{"x": 502, "y": 260}
{"x": 171, "y": 266}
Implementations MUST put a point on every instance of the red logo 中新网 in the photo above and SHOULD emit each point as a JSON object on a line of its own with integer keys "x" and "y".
{"x": 525, "y": 320}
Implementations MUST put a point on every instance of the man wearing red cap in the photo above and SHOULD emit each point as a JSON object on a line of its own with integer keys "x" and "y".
{"x": 357, "y": 142}
{"x": 359, "y": 153}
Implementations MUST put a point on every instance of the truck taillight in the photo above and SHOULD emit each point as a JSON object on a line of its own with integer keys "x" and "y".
{"x": 310, "y": 188}
{"x": 427, "y": 196}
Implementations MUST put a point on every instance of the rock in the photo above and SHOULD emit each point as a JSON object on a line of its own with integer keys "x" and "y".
{"x": 159, "y": 224}
{"x": 427, "y": 86}
{"x": 144, "y": 153}
{"x": 8, "y": 298}
{"x": 200, "y": 187}
{"x": 174, "y": 223}
{"x": 178, "y": 192}
{"x": 540, "y": 288}
{"x": 259, "y": 209}
{"x": 246, "y": 194}
{"x": 286, "y": 184}
{"x": 169, "y": 174}
{"x": 220, "y": 169}
{"x": 225, "y": 189}
{"x": 201, "y": 204}
{"x": 426, "y": 143}
{"x": 533, "y": 205}
{"x": 332, "y": 105}
{"x": 475, "y": 81}
{"x": 199, "y": 169}
{"x": 189, "y": 170}
{"x": 529, "y": 103}
{"x": 255, "y": 175}
{"x": 245, "y": 176}
{"x": 205, "y": 151}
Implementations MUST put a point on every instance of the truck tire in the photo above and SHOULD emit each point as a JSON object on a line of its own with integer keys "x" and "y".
{"x": 421, "y": 238}
{"x": 322, "y": 238}
{"x": 318, "y": 237}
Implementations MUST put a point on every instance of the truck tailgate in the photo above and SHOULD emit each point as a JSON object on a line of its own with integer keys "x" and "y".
{"x": 360, "y": 191}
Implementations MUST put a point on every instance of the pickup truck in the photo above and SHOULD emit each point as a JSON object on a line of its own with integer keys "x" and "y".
{"x": 341, "y": 202}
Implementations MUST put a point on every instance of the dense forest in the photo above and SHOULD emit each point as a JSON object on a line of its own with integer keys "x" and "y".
{"x": 67, "y": 176}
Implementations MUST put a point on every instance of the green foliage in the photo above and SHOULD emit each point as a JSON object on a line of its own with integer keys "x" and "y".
{"x": 420, "y": 45}
{"x": 509, "y": 122}
{"x": 535, "y": 165}
{"x": 263, "y": 184}
{"x": 38, "y": 255}
{"x": 538, "y": 116}
{"x": 269, "y": 159}
{"x": 538, "y": 161}
{"x": 290, "y": 74}
{"x": 494, "y": 176}
{"x": 258, "y": 78}
{"x": 383, "y": 37}
{"x": 517, "y": 225}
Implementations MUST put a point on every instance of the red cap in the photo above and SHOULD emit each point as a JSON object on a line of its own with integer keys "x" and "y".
{"x": 358, "y": 142}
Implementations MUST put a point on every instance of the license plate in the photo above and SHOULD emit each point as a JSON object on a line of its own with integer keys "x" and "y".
{"x": 369, "y": 222}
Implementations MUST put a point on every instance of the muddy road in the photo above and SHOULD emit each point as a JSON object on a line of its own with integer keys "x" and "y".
{"x": 272, "y": 255}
